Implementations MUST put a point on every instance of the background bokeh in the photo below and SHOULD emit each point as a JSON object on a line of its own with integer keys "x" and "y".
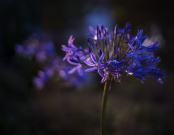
{"x": 133, "y": 108}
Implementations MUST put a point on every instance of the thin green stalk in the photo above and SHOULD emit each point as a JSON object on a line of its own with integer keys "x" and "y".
{"x": 104, "y": 101}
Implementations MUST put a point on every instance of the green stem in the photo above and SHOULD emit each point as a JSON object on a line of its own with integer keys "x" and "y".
{"x": 104, "y": 101}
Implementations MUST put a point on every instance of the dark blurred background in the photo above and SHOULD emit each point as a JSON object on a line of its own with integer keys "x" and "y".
{"x": 133, "y": 108}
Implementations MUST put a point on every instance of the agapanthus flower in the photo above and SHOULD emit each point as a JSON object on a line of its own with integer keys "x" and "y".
{"x": 35, "y": 47}
{"x": 115, "y": 54}
{"x": 58, "y": 69}
{"x": 51, "y": 65}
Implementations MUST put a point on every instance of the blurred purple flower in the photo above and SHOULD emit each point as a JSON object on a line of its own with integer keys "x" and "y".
{"x": 53, "y": 66}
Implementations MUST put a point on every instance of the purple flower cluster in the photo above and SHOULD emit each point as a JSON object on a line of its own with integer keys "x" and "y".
{"x": 115, "y": 54}
{"x": 59, "y": 70}
{"x": 36, "y": 47}
{"x": 52, "y": 65}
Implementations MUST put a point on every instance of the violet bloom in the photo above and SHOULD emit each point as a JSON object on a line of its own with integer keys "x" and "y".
{"x": 115, "y": 54}
{"x": 74, "y": 56}
{"x": 35, "y": 47}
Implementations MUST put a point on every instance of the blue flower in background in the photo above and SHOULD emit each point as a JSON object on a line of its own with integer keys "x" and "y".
{"x": 36, "y": 47}
{"x": 53, "y": 66}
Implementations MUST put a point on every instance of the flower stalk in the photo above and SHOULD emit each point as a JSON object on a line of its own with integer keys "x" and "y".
{"x": 104, "y": 102}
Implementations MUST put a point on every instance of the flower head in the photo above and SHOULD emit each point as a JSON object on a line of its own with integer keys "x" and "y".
{"x": 114, "y": 54}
